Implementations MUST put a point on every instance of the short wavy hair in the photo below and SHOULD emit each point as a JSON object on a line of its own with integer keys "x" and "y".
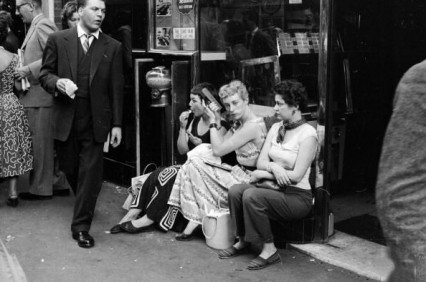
{"x": 4, "y": 24}
{"x": 293, "y": 93}
{"x": 69, "y": 9}
{"x": 232, "y": 88}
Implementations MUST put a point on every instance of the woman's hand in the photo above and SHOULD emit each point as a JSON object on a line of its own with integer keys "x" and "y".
{"x": 213, "y": 111}
{"x": 255, "y": 176}
{"x": 280, "y": 175}
{"x": 195, "y": 140}
{"x": 183, "y": 119}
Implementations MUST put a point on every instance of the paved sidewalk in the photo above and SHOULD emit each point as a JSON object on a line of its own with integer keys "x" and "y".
{"x": 352, "y": 253}
{"x": 38, "y": 234}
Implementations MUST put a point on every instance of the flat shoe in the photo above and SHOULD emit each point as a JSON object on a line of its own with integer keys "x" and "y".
{"x": 12, "y": 202}
{"x": 130, "y": 228}
{"x": 184, "y": 237}
{"x": 259, "y": 262}
{"x": 232, "y": 252}
{"x": 116, "y": 229}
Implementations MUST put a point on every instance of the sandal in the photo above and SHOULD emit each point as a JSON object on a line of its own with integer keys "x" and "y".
{"x": 232, "y": 252}
{"x": 259, "y": 262}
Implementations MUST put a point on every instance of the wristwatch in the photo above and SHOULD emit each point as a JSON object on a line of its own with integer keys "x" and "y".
{"x": 213, "y": 124}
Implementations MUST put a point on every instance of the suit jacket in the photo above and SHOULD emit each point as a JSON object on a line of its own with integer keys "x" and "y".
{"x": 33, "y": 47}
{"x": 106, "y": 82}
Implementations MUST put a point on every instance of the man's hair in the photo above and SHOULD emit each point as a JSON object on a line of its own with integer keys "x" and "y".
{"x": 37, "y": 2}
{"x": 83, "y": 3}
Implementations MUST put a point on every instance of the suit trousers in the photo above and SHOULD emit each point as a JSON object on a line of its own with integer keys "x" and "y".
{"x": 81, "y": 158}
{"x": 252, "y": 208}
{"x": 41, "y": 177}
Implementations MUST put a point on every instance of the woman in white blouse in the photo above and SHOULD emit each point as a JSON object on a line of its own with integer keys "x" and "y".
{"x": 279, "y": 188}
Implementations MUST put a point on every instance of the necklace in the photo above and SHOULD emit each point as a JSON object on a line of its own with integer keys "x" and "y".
{"x": 288, "y": 126}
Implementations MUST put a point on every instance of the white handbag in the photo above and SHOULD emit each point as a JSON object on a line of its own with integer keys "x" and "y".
{"x": 218, "y": 229}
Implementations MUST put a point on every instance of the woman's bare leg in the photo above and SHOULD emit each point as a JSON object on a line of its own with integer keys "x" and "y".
{"x": 132, "y": 214}
{"x": 12, "y": 187}
{"x": 190, "y": 227}
{"x": 142, "y": 222}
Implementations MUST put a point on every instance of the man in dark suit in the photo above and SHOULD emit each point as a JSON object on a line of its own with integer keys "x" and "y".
{"x": 258, "y": 42}
{"x": 92, "y": 61}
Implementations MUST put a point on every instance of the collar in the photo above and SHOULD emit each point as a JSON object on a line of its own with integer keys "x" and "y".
{"x": 81, "y": 32}
{"x": 36, "y": 18}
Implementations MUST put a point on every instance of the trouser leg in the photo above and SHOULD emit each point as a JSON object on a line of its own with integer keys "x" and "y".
{"x": 235, "y": 202}
{"x": 90, "y": 167}
{"x": 41, "y": 177}
{"x": 261, "y": 205}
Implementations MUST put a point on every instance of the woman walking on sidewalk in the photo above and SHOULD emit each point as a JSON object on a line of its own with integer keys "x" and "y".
{"x": 15, "y": 137}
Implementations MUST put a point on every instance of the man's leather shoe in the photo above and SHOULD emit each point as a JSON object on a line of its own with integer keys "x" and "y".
{"x": 33, "y": 197}
{"x": 83, "y": 239}
{"x": 62, "y": 192}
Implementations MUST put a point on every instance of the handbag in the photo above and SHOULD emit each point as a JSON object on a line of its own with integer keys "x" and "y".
{"x": 137, "y": 183}
{"x": 268, "y": 184}
{"x": 218, "y": 229}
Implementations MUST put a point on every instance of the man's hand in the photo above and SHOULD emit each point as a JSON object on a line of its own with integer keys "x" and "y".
{"x": 66, "y": 86}
{"x": 22, "y": 72}
{"x": 115, "y": 137}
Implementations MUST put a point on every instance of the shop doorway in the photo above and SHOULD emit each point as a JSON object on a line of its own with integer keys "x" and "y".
{"x": 374, "y": 43}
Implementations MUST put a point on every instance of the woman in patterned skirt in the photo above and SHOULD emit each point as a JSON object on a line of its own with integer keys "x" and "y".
{"x": 15, "y": 137}
{"x": 201, "y": 185}
{"x": 151, "y": 201}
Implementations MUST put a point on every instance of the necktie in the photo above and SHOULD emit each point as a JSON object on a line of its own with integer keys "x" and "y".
{"x": 86, "y": 42}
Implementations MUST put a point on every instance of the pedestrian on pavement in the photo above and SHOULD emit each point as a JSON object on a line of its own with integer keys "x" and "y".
{"x": 36, "y": 101}
{"x": 401, "y": 183}
{"x": 15, "y": 137}
{"x": 84, "y": 58}
{"x": 69, "y": 15}
{"x": 279, "y": 189}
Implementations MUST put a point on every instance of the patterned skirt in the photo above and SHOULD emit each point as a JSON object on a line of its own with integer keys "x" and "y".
{"x": 153, "y": 196}
{"x": 200, "y": 188}
{"x": 15, "y": 137}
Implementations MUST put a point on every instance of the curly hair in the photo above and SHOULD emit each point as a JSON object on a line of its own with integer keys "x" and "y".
{"x": 232, "y": 88}
{"x": 69, "y": 9}
{"x": 4, "y": 24}
{"x": 293, "y": 93}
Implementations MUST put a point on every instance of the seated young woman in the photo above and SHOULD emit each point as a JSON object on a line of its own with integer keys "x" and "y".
{"x": 201, "y": 187}
{"x": 286, "y": 158}
{"x": 151, "y": 201}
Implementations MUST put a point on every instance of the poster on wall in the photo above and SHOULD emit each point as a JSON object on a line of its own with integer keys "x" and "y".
{"x": 174, "y": 25}
{"x": 185, "y": 6}
{"x": 163, "y": 36}
{"x": 164, "y": 8}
